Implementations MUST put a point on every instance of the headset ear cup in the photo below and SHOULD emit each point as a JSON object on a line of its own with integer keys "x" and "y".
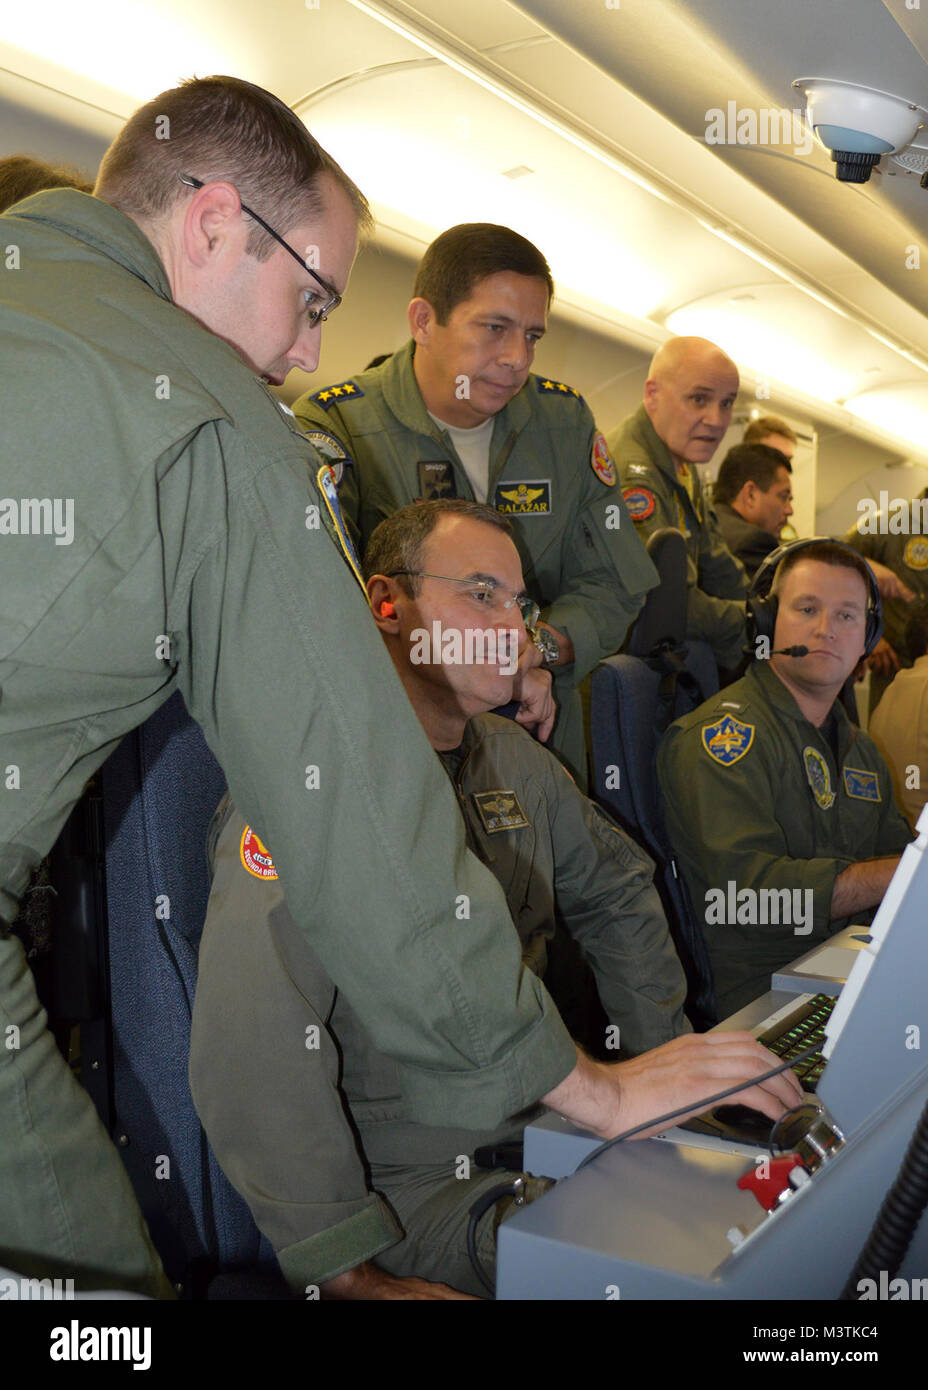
{"x": 761, "y": 619}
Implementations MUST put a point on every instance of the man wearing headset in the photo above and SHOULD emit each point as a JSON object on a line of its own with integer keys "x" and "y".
{"x": 780, "y": 809}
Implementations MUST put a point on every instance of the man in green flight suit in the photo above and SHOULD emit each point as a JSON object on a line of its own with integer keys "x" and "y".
{"x": 688, "y": 399}
{"x": 457, "y": 413}
{"x": 183, "y": 535}
{"x": 897, "y": 537}
{"x": 780, "y": 809}
{"x": 263, "y": 1065}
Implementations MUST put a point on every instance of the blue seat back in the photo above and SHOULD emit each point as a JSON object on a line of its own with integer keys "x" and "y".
{"x": 632, "y": 703}
{"x": 160, "y": 789}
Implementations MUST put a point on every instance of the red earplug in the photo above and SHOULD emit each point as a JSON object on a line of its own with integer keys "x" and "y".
{"x": 387, "y": 610}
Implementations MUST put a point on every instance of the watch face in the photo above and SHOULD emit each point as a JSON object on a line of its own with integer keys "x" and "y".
{"x": 547, "y": 645}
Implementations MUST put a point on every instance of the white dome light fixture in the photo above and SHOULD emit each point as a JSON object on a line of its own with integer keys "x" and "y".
{"x": 858, "y": 124}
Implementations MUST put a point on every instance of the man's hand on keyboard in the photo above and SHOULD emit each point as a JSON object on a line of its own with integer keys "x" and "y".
{"x": 610, "y": 1098}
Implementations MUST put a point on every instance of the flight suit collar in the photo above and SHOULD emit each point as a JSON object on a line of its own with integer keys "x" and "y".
{"x": 401, "y": 393}
{"x": 775, "y": 693}
{"x": 101, "y": 227}
{"x": 644, "y": 433}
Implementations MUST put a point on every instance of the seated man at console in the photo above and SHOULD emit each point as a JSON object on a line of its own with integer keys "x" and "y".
{"x": 780, "y": 809}
{"x": 264, "y": 1064}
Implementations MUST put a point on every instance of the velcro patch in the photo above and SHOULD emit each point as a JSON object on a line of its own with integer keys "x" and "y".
{"x": 531, "y": 498}
{"x": 547, "y": 387}
{"x": 331, "y": 395}
{"x": 602, "y": 461}
{"x": 254, "y": 856}
{"x": 332, "y": 450}
{"x": 861, "y": 785}
{"x": 640, "y": 503}
{"x": 436, "y": 479}
{"x": 500, "y": 810}
{"x": 325, "y": 481}
{"x": 915, "y": 554}
{"x": 728, "y": 740}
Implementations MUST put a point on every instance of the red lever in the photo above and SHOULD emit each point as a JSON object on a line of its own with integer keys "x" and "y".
{"x": 767, "y": 1189}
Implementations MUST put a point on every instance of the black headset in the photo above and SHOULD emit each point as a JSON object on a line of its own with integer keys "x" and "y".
{"x": 762, "y": 604}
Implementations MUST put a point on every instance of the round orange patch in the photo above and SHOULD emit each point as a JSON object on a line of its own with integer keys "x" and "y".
{"x": 255, "y": 857}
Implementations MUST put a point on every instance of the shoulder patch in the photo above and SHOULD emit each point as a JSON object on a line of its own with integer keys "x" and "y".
{"x": 548, "y": 387}
{"x": 332, "y": 395}
{"x": 332, "y": 450}
{"x": 915, "y": 554}
{"x": 640, "y": 502}
{"x": 325, "y": 481}
{"x": 601, "y": 460}
{"x": 728, "y": 740}
{"x": 818, "y": 777}
{"x": 254, "y": 856}
{"x": 861, "y": 785}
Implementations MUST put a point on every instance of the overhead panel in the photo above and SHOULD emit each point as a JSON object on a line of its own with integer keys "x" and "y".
{"x": 476, "y": 159}
{"x": 688, "y": 61}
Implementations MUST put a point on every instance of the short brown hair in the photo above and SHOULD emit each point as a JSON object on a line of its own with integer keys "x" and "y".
{"x": 748, "y": 463}
{"x": 21, "y": 176}
{"x": 827, "y": 552}
{"x": 769, "y": 424}
{"x": 222, "y": 128}
{"x": 396, "y": 543}
{"x": 464, "y": 255}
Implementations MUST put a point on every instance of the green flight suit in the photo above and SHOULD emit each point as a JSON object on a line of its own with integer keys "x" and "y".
{"x": 202, "y": 558}
{"x": 582, "y": 561}
{"x": 755, "y": 799}
{"x": 907, "y": 556}
{"x": 260, "y": 1093}
{"x": 655, "y": 496}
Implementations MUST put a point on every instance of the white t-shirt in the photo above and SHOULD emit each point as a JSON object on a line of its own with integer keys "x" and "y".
{"x": 473, "y": 449}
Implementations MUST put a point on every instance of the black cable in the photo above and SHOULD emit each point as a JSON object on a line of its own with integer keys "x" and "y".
{"x": 896, "y": 1221}
{"x": 478, "y": 1209}
{"x": 702, "y": 1104}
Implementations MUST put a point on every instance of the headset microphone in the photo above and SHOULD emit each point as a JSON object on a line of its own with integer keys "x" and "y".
{"x": 791, "y": 651}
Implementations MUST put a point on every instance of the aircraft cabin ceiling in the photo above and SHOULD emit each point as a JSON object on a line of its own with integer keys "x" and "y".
{"x": 592, "y": 127}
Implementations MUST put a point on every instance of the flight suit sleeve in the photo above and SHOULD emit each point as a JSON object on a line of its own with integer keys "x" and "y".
{"x": 280, "y": 663}
{"x": 605, "y": 894}
{"x": 894, "y": 830}
{"x": 264, "y": 1078}
{"x": 606, "y": 571}
{"x": 720, "y": 572}
{"x": 870, "y": 547}
{"x": 722, "y": 824}
{"x": 718, "y": 621}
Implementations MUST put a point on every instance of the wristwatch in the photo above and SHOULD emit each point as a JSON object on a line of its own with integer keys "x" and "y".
{"x": 546, "y": 643}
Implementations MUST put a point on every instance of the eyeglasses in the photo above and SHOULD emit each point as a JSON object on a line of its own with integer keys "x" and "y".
{"x": 316, "y": 316}
{"x": 484, "y": 591}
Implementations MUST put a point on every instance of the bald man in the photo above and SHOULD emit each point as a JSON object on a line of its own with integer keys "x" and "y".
{"x": 688, "y": 400}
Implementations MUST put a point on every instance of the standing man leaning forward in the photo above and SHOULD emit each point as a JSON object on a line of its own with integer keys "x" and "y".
{"x": 270, "y": 1104}
{"x": 457, "y": 413}
{"x": 688, "y": 401}
{"x": 202, "y": 555}
{"x": 769, "y": 787}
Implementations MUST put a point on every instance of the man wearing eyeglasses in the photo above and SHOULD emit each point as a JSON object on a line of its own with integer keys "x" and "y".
{"x": 201, "y": 550}
{"x": 447, "y": 569}
{"x": 458, "y": 413}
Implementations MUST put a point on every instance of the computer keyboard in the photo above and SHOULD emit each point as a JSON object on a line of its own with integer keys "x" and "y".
{"x": 789, "y": 1037}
